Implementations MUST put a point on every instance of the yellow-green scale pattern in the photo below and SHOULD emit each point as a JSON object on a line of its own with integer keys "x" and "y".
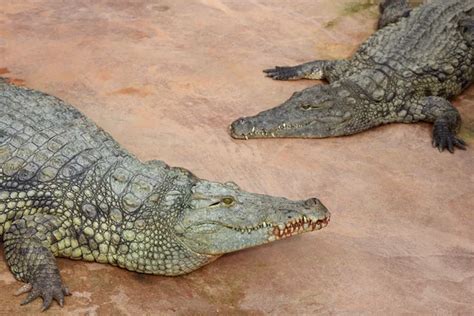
{"x": 98, "y": 202}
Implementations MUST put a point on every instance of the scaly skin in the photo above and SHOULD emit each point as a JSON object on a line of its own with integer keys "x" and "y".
{"x": 405, "y": 72}
{"x": 68, "y": 189}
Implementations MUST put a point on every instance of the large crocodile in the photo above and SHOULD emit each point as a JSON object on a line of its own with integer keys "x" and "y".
{"x": 405, "y": 72}
{"x": 68, "y": 189}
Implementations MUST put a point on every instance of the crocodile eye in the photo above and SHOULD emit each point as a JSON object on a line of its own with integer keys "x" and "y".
{"x": 306, "y": 106}
{"x": 228, "y": 201}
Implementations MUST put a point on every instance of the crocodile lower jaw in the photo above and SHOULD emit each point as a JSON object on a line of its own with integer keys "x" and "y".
{"x": 288, "y": 130}
{"x": 297, "y": 227}
{"x": 274, "y": 133}
{"x": 294, "y": 227}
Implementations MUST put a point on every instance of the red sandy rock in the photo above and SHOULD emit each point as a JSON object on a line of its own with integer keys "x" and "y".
{"x": 166, "y": 79}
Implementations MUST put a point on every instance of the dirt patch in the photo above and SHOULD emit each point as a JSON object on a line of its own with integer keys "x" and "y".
{"x": 358, "y": 6}
{"x": 16, "y": 81}
{"x": 352, "y": 8}
{"x": 132, "y": 91}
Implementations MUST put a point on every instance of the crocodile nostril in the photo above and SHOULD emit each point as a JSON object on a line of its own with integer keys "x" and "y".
{"x": 241, "y": 127}
{"x": 311, "y": 202}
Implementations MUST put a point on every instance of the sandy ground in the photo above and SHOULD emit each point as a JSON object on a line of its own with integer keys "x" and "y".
{"x": 166, "y": 77}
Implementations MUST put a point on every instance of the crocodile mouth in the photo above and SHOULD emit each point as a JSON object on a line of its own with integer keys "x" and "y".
{"x": 323, "y": 128}
{"x": 299, "y": 226}
{"x": 255, "y": 132}
{"x": 214, "y": 237}
{"x": 294, "y": 227}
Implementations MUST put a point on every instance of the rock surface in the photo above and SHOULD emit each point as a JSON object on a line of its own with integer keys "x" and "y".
{"x": 166, "y": 78}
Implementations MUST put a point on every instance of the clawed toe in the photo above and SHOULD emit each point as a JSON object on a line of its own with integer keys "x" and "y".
{"x": 32, "y": 295}
{"x": 443, "y": 139}
{"x": 48, "y": 293}
{"x": 24, "y": 289}
{"x": 282, "y": 73}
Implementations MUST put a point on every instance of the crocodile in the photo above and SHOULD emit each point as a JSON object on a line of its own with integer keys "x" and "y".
{"x": 405, "y": 72}
{"x": 68, "y": 189}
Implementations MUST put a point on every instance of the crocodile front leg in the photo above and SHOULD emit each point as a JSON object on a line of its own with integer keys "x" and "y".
{"x": 330, "y": 70}
{"x": 446, "y": 122}
{"x": 27, "y": 251}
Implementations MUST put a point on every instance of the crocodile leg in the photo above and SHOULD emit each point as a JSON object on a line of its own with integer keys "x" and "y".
{"x": 446, "y": 122}
{"x": 30, "y": 259}
{"x": 391, "y": 11}
{"x": 318, "y": 69}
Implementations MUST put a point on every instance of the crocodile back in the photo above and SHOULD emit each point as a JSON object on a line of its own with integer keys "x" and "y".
{"x": 427, "y": 39}
{"x": 425, "y": 53}
{"x": 43, "y": 138}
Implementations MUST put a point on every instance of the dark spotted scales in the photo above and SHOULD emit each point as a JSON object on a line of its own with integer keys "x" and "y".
{"x": 68, "y": 189}
{"x": 405, "y": 72}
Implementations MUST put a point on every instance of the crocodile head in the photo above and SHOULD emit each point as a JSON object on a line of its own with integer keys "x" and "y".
{"x": 221, "y": 218}
{"x": 316, "y": 112}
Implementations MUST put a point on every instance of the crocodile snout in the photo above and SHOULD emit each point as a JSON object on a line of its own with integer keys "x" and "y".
{"x": 240, "y": 128}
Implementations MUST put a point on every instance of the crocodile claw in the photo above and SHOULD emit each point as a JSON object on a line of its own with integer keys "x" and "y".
{"x": 47, "y": 289}
{"x": 284, "y": 73}
{"x": 443, "y": 139}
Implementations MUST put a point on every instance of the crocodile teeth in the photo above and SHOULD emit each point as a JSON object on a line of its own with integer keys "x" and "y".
{"x": 298, "y": 226}
{"x": 289, "y": 228}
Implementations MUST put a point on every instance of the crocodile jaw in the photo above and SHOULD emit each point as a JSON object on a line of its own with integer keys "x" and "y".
{"x": 315, "y": 112}
{"x": 210, "y": 229}
{"x": 257, "y": 127}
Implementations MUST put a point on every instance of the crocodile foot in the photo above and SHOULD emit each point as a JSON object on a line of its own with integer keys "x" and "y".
{"x": 48, "y": 288}
{"x": 285, "y": 73}
{"x": 444, "y": 138}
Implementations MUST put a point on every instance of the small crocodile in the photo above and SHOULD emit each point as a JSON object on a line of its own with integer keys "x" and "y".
{"x": 405, "y": 72}
{"x": 68, "y": 189}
